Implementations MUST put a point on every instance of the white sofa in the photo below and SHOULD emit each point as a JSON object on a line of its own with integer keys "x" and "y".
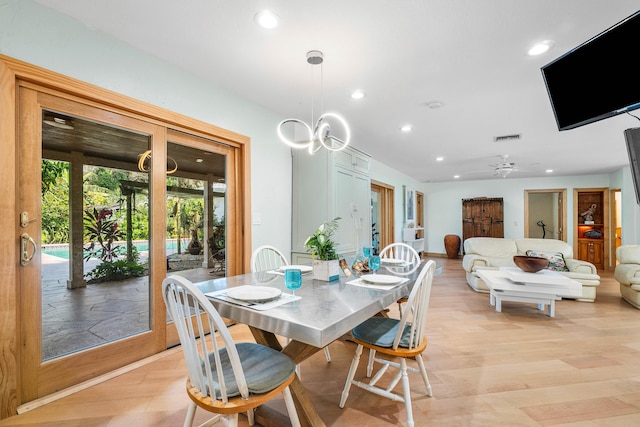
{"x": 493, "y": 253}
{"x": 627, "y": 273}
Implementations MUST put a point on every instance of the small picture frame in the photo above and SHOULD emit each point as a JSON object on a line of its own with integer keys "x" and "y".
{"x": 410, "y": 205}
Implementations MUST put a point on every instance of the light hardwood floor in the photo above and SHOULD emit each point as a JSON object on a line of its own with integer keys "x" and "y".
{"x": 515, "y": 368}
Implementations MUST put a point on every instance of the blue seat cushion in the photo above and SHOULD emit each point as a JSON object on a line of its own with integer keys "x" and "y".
{"x": 381, "y": 331}
{"x": 264, "y": 368}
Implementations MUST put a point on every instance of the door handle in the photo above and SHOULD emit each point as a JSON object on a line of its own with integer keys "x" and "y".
{"x": 25, "y": 258}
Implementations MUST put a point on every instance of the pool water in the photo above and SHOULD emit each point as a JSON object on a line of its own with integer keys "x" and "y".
{"x": 62, "y": 250}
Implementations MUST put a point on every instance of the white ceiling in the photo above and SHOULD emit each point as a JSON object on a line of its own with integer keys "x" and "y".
{"x": 469, "y": 55}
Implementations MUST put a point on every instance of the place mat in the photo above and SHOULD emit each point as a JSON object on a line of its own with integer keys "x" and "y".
{"x": 364, "y": 284}
{"x": 283, "y": 299}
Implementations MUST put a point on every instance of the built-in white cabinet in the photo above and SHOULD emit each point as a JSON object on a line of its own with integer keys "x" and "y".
{"x": 414, "y": 236}
{"x": 326, "y": 185}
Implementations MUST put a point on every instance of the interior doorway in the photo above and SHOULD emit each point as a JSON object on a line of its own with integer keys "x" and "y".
{"x": 616, "y": 223}
{"x": 545, "y": 214}
{"x": 382, "y": 215}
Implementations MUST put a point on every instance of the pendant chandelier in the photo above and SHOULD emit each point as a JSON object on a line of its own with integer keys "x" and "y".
{"x": 321, "y": 134}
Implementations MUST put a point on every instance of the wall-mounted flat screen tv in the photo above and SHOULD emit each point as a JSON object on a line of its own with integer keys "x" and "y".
{"x": 597, "y": 79}
{"x": 632, "y": 137}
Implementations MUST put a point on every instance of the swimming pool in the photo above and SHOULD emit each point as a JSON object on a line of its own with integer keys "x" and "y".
{"x": 62, "y": 250}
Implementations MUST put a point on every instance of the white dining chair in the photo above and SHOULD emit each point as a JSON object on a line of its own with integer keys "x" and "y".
{"x": 402, "y": 252}
{"x": 402, "y": 339}
{"x": 224, "y": 377}
{"x": 267, "y": 257}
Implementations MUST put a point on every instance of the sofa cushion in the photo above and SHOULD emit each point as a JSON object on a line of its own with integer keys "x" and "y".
{"x": 628, "y": 254}
{"x": 556, "y": 259}
{"x": 492, "y": 247}
{"x": 544, "y": 245}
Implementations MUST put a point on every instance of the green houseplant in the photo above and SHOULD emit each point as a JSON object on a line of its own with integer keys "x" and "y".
{"x": 323, "y": 252}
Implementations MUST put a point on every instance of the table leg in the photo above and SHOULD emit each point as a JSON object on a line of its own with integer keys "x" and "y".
{"x": 498, "y": 303}
{"x": 298, "y": 352}
{"x": 552, "y": 308}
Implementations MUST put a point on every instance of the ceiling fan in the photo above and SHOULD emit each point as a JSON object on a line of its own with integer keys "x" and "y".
{"x": 504, "y": 167}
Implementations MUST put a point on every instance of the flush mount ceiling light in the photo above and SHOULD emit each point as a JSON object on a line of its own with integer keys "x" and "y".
{"x": 434, "y": 105}
{"x": 357, "y": 94}
{"x": 59, "y": 123}
{"x": 298, "y": 134}
{"x": 540, "y": 48}
{"x": 406, "y": 128}
{"x": 266, "y": 19}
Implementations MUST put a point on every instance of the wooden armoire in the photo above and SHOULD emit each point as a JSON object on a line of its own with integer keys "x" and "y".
{"x": 482, "y": 217}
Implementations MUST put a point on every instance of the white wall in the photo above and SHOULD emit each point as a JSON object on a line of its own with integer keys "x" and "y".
{"x": 383, "y": 173}
{"x": 630, "y": 209}
{"x": 444, "y": 203}
{"x": 37, "y": 35}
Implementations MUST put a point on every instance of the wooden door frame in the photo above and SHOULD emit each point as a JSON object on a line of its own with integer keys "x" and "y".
{"x": 15, "y": 73}
{"x": 605, "y": 221}
{"x": 386, "y": 227}
{"x": 562, "y": 214}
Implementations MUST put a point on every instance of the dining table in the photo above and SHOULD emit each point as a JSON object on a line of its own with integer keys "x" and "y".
{"x": 320, "y": 313}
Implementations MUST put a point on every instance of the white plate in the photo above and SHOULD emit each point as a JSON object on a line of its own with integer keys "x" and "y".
{"x": 381, "y": 279}
{"x": 392, "y": 261}
{"x": 254, "y": 293}
{"x": 302, "y": 268}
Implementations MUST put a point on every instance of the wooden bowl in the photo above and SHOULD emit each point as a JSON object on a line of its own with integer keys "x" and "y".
{"x": 530, "y": 264}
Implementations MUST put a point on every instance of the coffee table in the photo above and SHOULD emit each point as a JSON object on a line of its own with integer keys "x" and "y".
{"x": 543, "y": 288}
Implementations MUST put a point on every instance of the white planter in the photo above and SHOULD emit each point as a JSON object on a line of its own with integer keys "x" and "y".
{"x": 326, "y": 270}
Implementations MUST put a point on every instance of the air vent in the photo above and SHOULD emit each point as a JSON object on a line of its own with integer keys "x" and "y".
{"x": 506, "y": 137}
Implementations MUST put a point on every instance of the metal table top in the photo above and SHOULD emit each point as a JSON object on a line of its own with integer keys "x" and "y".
{"x": 325, "y": 312}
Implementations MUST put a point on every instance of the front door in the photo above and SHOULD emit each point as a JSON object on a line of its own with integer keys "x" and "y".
{"x": 89, "y": 302}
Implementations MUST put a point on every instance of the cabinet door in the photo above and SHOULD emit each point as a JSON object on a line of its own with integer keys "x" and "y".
{"x": 592, "y": 251}
{"x": 353, "y": 205}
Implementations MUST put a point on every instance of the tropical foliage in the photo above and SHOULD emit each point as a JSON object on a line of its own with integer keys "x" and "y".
{"x": 320, "y": 244}
{"x": 103, "y": 233}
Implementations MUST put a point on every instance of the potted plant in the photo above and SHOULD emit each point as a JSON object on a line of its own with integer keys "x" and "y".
{"x": 322, "y": 248}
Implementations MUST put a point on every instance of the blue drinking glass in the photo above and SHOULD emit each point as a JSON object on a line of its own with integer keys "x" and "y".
{"x": 293, "y": 279}
{"x": 366, "y": 251}
{"x": 374, "y": 263}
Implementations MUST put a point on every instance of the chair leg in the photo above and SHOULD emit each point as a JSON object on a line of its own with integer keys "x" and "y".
{"x": 191, "y": 413}
{"x": 400, "y": 308}
{"x": 351, "y": 375}
{"x": 291, "y": 407}
{"x": 251, "y": 417}
{"x": 372, "y": 355}
{"x": 406, "y": 391}
{"x": 423, "y": 372}
{"x": 327, "y": 355}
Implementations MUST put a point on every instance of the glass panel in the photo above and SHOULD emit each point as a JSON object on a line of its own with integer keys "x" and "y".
{"x": 95, "y": 234}
{"x": 196, "y": 213}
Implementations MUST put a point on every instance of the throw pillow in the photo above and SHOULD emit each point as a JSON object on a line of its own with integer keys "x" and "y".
{"x": 556, "y": 260}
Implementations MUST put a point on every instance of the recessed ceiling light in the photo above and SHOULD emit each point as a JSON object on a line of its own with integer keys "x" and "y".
{"x": 439, "y": 159}
{"x": 549, "y": 171}
{"x": 266, "y": 19}
{"x": 540, "y": 48}
{"x": 456, "y": 176}
{"x": 406, "y": 128}
{"x": 357, "y": 94}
